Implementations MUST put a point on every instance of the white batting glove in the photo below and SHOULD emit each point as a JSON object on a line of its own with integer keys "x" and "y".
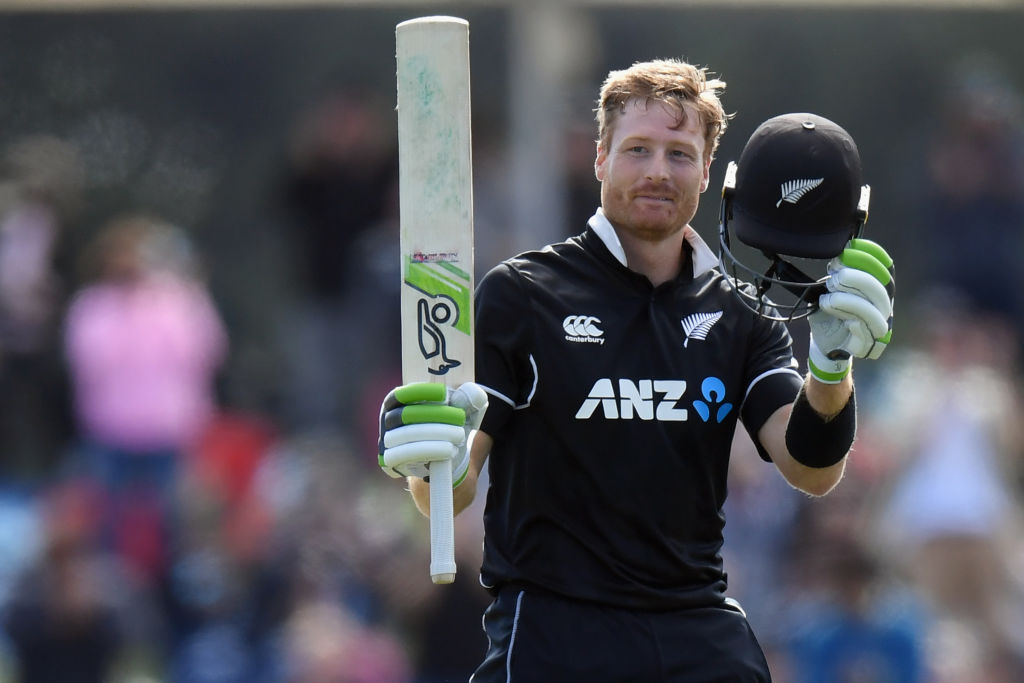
{"x": 854, "y": 318}
{"x": 426, "y": 422}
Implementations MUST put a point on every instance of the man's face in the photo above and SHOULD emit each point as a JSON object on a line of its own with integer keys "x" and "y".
{"x": 653, "y": 170}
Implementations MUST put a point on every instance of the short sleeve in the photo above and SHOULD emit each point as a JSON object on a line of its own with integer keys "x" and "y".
{"x": 503, "y": 364}
{"x": 772, "y": 375}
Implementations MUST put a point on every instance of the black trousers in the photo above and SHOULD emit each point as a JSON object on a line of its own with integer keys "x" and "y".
{"x": 535, "y": 637}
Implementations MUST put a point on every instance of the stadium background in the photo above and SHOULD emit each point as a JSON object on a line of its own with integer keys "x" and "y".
{"x": 200, "y": 114}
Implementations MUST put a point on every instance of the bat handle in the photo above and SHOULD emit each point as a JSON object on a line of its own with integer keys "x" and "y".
{"x": 442, "y": 523}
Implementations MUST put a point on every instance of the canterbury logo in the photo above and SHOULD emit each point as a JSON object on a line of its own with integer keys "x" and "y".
{"x": 583, "y": 328}
{"x": 793, "y": 190}
{"x": 697, "y": 325}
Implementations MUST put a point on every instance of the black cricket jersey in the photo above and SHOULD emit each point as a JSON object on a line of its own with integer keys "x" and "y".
{"x": 613, "y": 405}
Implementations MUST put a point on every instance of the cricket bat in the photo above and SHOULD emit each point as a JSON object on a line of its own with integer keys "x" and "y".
{"x": 436, "y": 226}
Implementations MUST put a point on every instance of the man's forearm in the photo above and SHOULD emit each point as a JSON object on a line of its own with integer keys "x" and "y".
{"x": 828, "y": 399}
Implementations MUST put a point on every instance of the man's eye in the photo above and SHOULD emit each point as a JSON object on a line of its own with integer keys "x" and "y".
{"x": 638, "y": 149}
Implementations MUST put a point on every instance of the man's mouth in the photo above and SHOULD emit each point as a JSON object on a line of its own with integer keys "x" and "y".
{"x": 655, "y": 194}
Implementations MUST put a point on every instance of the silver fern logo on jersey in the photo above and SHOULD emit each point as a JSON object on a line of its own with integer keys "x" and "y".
{"x": 697, "y": 325}
{"x": 583, "y": 329}
{"x": 794, "y": 190}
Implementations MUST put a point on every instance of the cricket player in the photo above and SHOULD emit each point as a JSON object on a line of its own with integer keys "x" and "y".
{"x": 617, "y": 366}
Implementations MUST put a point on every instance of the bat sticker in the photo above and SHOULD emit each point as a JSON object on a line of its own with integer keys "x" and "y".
{"x": 431, "y": 336}
{"x": 442, "y": 311}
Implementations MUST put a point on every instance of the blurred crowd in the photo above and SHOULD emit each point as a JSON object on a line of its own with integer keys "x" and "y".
{"x": 151, "y": 530}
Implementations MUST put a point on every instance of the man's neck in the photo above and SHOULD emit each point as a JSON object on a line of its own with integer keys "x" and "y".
{"x": 658, "y": 261}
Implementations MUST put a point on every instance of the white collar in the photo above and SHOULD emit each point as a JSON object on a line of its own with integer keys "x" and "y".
{"x": 704, "y": 259}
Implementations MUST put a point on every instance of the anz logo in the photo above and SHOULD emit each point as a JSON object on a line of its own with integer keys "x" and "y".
{"x": 654, "y": 399}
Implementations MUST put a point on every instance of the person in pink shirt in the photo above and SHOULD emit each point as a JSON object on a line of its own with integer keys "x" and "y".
{"x": 144, "y": 343}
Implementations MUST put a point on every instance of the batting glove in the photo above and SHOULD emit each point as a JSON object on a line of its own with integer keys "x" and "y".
{"x": 426, "y": 422}
{"x": 854, "y": 318}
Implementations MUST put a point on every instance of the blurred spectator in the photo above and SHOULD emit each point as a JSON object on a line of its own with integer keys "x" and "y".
{"x": 340, "y": 189}
{"x": 343, "y": 165}
{"x": 974, "y": 212}
{"x": 63, "y": 620}
{"x": 348, "y": 559}
{"x": 951, "y": 511}
{"x": 850, "y": 623}
{"x": 325, "y": 644}
{"x": 39, "y": 195}
{"x": 225, "y": 594}
{"x": 144, "y": 343}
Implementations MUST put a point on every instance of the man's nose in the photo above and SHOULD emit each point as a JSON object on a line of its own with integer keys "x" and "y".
{"x": 657, "y": 168}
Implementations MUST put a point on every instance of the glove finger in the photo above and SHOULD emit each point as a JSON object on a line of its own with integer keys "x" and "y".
{"x": 863, "y": 284}
{"x": 472, "y": 398}
{"x": 876, "y": 252}
{"x": 862, "y": 260}
{"x": 430, "y": 431}
{"x": 873, "y": 248}
{"x": 418, "y": 414}
{"x": 876, "y": 350}
{"x": 417, "y": 392}
{"x": 411, "y": 470}
{"x": 393, "y": 473}
{"x": 846, "y": 306}
{"x": 418, "y": 452}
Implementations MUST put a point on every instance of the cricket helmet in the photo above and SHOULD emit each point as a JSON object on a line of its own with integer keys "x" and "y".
{"x": 796, "y": 192}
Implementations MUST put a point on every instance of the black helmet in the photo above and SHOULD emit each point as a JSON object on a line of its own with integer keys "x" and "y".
{"x": 796, "y": 192}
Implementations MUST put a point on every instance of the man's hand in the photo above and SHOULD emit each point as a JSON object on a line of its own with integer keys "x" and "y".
{"x": 426, "y": 422}
{"x": 854, "y": 318}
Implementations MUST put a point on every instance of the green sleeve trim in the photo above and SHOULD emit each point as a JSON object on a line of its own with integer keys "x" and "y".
{"x": 422, "y": 414}
{"x": 421, "y": 392}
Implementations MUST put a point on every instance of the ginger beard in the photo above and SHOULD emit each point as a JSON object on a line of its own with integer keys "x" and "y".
{"x": 653, "y": 171}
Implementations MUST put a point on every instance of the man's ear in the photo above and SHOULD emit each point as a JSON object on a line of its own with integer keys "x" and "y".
{"x": 599, "y": 162}
{"x": 706, "y": 178}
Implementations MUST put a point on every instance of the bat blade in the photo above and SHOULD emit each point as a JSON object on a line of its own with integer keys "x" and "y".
{"x": 436, "y": 219}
